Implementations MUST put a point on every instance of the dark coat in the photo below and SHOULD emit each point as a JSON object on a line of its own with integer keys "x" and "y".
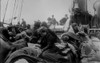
{"x": 95, "y": 21}
{"x": 48, "y": 41}
{"x": 4, "y": 50}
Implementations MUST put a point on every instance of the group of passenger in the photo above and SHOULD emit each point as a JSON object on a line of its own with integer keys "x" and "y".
{"x": 19, "y": 37}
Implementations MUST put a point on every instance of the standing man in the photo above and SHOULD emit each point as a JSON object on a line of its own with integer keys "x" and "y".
{"x": 18, "y": 23}
{"x": 54, "y": 22}
{"x": 23, "y": 24}
{"x": 64, "y": 19}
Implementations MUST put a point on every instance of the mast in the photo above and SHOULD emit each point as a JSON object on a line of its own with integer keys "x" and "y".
{"x": 82, "y": 5}
{"x": 0, "y": 11}
{"x": 86, "y": 6}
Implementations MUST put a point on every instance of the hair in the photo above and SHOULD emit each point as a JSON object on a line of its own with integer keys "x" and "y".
{"x": 37, "y": 24}
{"x": 44, "y": 24}
{"x": 28, "y": 32}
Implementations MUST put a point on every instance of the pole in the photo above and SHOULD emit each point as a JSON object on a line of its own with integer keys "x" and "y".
{"x": 86, "y": 11}
{"x": 86, "y": 6}
{"x": 0, "y": 11}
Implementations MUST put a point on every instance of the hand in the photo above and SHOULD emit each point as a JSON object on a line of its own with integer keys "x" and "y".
{"x": 65, "y": 51}
{"x": 60, "y": 46}
{"x": 37, "y": 45}
{"x": 66, "y": 57}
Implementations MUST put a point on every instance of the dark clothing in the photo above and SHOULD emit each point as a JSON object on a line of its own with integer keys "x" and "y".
{"x": 83, "y": 18}
{"x": 63, "y": 21}
{"x": 95, "y": 22}
{"x": 53, "y": 21}
{"x": 49, "y": 40}
{"x": 35, "y": 36}
{"x": 23, "y": 24}
{"x": 51, "y": 56}
{"x": 4, "y": 34}
{"x": 4, "y": 50}
{"x": 1, "y": 24}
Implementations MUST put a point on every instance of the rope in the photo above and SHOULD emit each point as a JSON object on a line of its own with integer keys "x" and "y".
{"x": 16, "y": 7}
{"x": 5, "y": 11}
{"x": 21, "y": 9}
{"x": 13, "y": 11}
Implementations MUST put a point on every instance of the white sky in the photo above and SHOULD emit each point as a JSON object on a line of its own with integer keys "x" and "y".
{"x": 39, "y": 9}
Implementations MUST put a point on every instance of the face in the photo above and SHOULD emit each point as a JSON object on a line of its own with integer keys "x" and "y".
{"x": 76, "y": 27}
{"x": 43, "y": 33}
{"x": 65, "y": 38}
{"x": 13, "y": 30}
{"x": 10, "y": 33}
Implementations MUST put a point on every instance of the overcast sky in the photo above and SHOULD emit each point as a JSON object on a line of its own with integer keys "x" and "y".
{"x": 37, "y": 9}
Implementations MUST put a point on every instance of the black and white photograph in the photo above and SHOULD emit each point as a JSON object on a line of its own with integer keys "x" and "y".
{"x": 49, "y": 31}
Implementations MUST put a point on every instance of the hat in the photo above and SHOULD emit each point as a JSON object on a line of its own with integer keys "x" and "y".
{"x": 72, "y": 35}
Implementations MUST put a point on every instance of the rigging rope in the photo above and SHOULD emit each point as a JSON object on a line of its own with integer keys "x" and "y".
{"x": 16, "y": 7}
{"x": 5, "y": 11}
{"x": 13, "y": 11}
{"x": 20, "y": 10}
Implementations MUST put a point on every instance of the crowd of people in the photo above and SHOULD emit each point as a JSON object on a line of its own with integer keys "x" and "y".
{"x": 17, "y": 37}
{"x": 15, "y": 40}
